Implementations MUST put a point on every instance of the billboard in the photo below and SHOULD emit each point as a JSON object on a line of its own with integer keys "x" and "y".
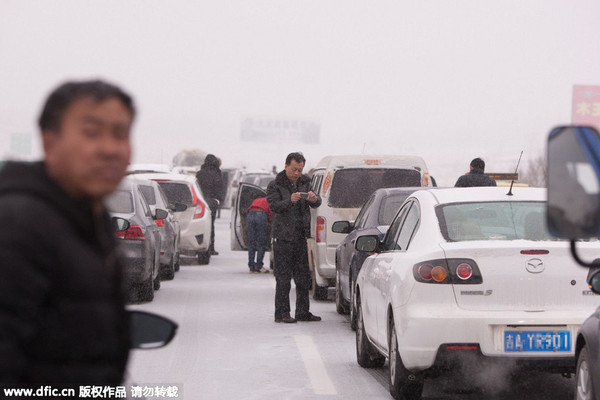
{"x": 586, "y": 105}
{"x": 280, "y": 130}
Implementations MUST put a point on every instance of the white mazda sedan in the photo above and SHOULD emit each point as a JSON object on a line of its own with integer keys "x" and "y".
{"x": 469, "y": 274}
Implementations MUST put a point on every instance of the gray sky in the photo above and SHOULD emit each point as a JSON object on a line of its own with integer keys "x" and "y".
{"x": 447, "y": 80}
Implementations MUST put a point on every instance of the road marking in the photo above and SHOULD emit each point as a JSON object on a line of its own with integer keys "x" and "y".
{"x": 319, "y": 378}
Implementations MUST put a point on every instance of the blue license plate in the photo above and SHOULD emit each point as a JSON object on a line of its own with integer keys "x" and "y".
{"x": 520, "y": 341}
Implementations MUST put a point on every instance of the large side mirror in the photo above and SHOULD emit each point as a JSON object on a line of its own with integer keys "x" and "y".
{"x": 150, "y": 331}
{"x": 368, "y": 243}
{"x": 574, "y": 182}
{"x": 593, "y": 279}
{"x": 342, "y": 227}
{"x": 120, "y": 224}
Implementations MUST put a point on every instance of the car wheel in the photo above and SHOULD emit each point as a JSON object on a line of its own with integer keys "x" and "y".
{"x": 585, "y": 387}
{"x": 366, "y": 355}
{"x": 168, "y": 271}
{"x": 145, "y": 290}
{"x": 204, "y": 257}
{"x": 404, "y": 385}
{"x": 352, "y": 307}
{"x": 318, "y": 292}
{"x": 177, "y": 261}
{"x": 341, "y": 305}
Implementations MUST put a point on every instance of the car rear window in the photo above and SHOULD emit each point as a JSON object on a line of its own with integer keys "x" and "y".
{"x": 120, "y": 201}
{"x": 389, "y": 207}
{"x": 493, "y": 221}
{"x": 177, "y": 192}
{"x": 351, "y": 188}
{"x": 148, "y": 193}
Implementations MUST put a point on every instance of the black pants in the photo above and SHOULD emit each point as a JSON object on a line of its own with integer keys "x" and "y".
{"x": 213, "y": 216}
{"x": 291, "y": 261}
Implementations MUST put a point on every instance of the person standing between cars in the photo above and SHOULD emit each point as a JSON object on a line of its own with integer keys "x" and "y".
{"x": 258, "y": 218}
{"x": 210, "y": 181}
{"x": 476, "y": 176}
{"x": 62, "y": 301}
{"x": 290, "y": 199}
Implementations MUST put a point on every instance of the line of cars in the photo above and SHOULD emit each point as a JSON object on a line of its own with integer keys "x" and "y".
{"x": 166, "y": 218}
{"x": 449, "y": 279}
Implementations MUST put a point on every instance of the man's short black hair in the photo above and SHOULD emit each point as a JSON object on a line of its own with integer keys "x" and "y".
{"x": 64, "y": 95}
{"x": 298, "y": 157}
{"x": 478, "y": 163}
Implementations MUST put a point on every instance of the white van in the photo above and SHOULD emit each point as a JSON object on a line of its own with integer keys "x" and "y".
{"x": 345, "y": 183}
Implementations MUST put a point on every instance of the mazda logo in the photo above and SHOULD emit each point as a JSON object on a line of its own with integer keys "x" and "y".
{"x": 535, "y": 266}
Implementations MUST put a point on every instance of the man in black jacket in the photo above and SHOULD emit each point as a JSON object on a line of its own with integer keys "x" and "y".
{"x": 62, "y": 316}
{"x": 210, "y": 180}
{"x": 475, "y": 177}
{"x": 290, "y": 199}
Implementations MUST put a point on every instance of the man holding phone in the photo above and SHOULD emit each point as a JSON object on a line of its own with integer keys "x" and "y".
{"x": 290, "y": 199}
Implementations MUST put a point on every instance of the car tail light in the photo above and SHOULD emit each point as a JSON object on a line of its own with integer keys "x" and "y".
{"x": 133, "y": 233}
{"x": 321, "y": 232}
{"x": 464, "y": 271}
{"x": 452, "y": 270}
{"x": 200, "y": 206}
{"x": 159, "y": 222}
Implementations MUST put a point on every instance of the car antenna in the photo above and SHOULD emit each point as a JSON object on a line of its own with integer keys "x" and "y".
{"x": 513, "y": 179}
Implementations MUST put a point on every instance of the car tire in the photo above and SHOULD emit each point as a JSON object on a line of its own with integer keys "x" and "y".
{"x": 352, "y": 307}
{"x": 366, "y": 355}
{"x": 584, "y": 389}
{"x": 404, "y": 384}
{"x": 341, "y": 305}
{"x": 177, "y": 262}
{"x": 168, "y": 271}
{"x": 203, "y": 257}
{"x": 318, "y": 292}
{"x": 145, "y": 290}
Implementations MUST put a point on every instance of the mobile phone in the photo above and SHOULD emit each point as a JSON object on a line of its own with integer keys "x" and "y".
{"x": 303, "y": 195}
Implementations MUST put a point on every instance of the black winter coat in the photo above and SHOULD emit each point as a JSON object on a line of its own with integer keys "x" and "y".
{"x": 475, "y": 178}
{"x": 284, "y": 211}
{"x": 210, "y": 180}
{"x": 62, "y": 314}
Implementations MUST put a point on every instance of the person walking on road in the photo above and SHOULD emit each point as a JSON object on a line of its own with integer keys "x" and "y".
{"x": 62, "y": 301}
{"x": 210, "y": 181}
{"x": 290, "y": 200}
{"x": 476, "y": 176}
{"x": 258, "y": 218}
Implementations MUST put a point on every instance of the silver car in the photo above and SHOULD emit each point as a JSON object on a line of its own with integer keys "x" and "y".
{"x": 140, "y": 243}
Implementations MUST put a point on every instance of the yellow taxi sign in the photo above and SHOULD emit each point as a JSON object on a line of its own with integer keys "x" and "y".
{"x": 372, "y": 161}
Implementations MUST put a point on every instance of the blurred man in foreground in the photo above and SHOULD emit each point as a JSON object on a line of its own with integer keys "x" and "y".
{"x": 62, "y": 315}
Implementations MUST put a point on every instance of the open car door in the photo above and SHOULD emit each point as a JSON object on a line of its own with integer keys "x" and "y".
{"x": 246, "y": 194}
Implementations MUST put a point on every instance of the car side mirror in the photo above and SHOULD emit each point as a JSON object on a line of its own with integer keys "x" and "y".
{"x": 368, "y": 243}
{"x": 178, "y": 207}
{"x": 593, "y": 279}
{"x": 150, "y": 331}
{"x": 342, "y": 227}
{"x": 161, "y": 214}
{"x": 574, "y": 182}
{"x": 120, "y": 224}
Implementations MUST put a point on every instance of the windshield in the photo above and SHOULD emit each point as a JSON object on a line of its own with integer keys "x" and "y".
{"x": 493, "y": 221}
{"x": 351, "y": 188}
{"x": 120, "y": 201}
